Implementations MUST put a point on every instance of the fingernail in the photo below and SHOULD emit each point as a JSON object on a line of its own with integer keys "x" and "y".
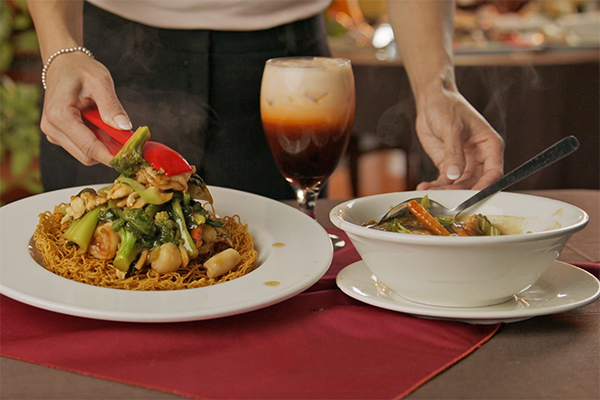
{"x": 122, "y": 122}
{"x": 453, "y": 172}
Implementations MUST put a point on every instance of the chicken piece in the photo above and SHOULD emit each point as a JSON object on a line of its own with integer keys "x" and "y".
{"x": 135, "y": 201}
{"x": 151, "y": 177}
{"x": 86, "y": 201}
{"x": 74, "y": 210}
{"x": 118, "y": 191}
{"x": 92, "y": 200}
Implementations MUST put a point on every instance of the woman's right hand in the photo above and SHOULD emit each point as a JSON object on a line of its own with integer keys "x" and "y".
{"x": 75, "y": 81}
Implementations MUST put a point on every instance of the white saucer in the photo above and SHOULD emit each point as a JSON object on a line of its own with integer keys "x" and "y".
{"x": 561, "y": 288}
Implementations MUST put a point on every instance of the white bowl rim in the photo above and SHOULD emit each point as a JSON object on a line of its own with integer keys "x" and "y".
{"x": 352, "y": 228}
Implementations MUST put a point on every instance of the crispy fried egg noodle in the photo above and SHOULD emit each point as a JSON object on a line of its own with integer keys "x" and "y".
{"x": 62, "y": 259}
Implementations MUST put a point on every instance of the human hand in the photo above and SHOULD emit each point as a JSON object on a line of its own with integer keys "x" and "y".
{"x": 74, "y": 82}
{"x": 467, "y": 151}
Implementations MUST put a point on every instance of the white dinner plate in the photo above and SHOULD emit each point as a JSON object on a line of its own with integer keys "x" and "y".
{"x": 294, "y": 252}
{"x": 561, "y": 288}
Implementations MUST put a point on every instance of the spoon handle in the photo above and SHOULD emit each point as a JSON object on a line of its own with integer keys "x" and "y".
{"x": 552, "y": 154}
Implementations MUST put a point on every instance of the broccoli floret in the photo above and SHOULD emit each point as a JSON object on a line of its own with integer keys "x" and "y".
{"x": 167, "y": 228}
{"x": 128, "y": 250}
{"x": 138, "y": 222}
{"x": 137, "y": 231}
{"x": 396, "y": 226}
{"x": 130, "y": 155}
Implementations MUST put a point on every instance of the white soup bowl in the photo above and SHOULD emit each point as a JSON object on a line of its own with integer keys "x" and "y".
{"x": 455, "y": 271}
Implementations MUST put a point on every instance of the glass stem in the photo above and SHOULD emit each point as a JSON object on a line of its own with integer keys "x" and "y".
{"x": 307, "y": 200}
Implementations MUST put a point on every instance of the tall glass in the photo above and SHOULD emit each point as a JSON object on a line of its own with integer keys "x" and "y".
{"x": 307, "y": 108}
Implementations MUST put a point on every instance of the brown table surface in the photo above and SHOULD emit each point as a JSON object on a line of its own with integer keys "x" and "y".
{"x": 547, "y": 357}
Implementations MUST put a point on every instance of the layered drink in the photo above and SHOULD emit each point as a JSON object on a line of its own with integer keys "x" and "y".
{"x": 307, "y": 109}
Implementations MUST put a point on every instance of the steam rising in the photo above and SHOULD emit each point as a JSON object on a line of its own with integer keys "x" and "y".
{"x": 158, "y": 85}
{"x": 488, "y": 88}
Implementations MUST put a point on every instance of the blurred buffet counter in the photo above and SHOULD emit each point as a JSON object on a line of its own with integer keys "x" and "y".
{"x": 535, "y": 79}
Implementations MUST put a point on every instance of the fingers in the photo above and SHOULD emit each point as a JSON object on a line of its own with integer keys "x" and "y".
{"x": 467, "y": 151}
{"x": 454, "y": 156}
{"x": 74, "y": 137}
{"x": 492, "y": 171}
{"x": 76, "y": 83}
{"x": 491, "y": 152}
{"x": 111, "y": 110}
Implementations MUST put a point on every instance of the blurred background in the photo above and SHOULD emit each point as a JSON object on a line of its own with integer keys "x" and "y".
{"x": 20, "y": 96}
{"x": 530, "y": 67}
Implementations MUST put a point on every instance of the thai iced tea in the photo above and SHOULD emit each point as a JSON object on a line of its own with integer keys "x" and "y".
{"x": 307, "y": 110}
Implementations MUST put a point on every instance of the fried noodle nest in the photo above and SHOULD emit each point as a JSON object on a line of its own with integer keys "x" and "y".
{"x": 61, "y": 258}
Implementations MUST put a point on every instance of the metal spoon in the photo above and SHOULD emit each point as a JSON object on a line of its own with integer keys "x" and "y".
{"x": 552, "y": 154}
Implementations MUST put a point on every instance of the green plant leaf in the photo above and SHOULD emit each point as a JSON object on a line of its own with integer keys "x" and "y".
{"x": 6, "y": 21}
{"x": 32, "y": 181}
{"x": 27, "y": 42}
{"x": 21, "y": 5}
{"x": 6, "y": 56}
{"x": 22, "y": 22}
{"x": 20, "y": 161}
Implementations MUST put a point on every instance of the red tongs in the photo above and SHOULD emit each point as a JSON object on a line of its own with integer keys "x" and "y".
{"x": 159, "y": 156}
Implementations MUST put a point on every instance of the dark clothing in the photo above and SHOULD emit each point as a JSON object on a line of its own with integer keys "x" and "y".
{"x": 197, "y": 90}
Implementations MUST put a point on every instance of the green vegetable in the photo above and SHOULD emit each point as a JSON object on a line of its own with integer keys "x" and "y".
{"x": 187, "y": 199}
{"x": 177, "y": 215}
{"x": 152, "y": 195}
{"x": 167, "y": 228}
{"x": 110, "y": 214}
{"x": 153, "y": 209}
{"x": 199, "y": 212}
{"x": 139, "y": 223}
{"x": 396, "y": 226}
{"x": 425, "y": 202}
{"x": 81, "y": 230}
{"x": 486, "y": 226}
{"x": 138, "y": 232}
{"x": 104, "y": 190}
{"x": 130, "y": 155}
{"x": 128, "y": 250}
{"x": 445, "y": 220}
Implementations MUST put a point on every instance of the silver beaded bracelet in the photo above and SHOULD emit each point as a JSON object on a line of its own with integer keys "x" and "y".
{"x": 58, "y": 53}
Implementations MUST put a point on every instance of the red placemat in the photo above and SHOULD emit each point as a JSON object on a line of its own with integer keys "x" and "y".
{"x": 320, "y": 344}
{"x": 591, "y": 267}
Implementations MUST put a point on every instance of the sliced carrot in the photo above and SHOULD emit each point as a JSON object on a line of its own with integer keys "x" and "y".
{"x": 196, "y": 234}
{"x": 462, "y": 230}
{"x": 427, "y": 219}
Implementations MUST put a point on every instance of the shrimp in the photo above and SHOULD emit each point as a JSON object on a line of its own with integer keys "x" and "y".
{"x": 104, "y": 242}
{"x": 168, "y": 259}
